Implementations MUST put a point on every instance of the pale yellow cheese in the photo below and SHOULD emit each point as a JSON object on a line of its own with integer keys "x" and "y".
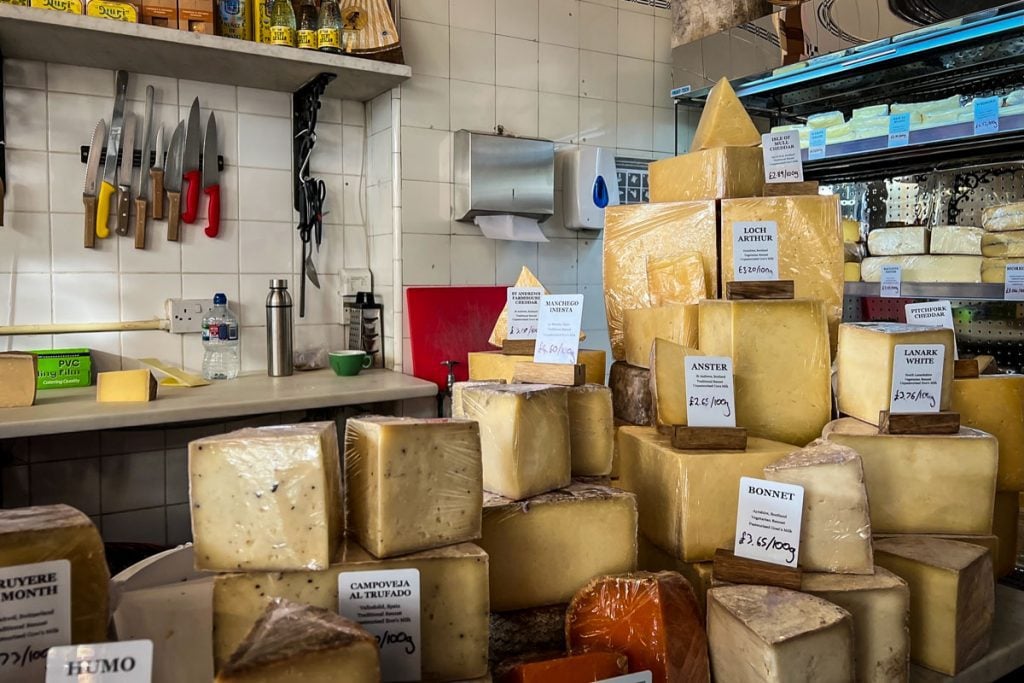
{"x": 924, "y": 484}
{"x": 651, "y": 558}
{"x": 1005, "y": 523}
{"x": 780, "y": 356}
{"x": 125, "y": 386}
{"x": 865, "y": 365}
{"x": 956, "y": 239}
{"x": 1003, "y": 244}
{"x": 668, "y": 381}
{"x": 924, "y": 268}
{"x": 412, "y": 484}
{"x": 676, "y": 279}
{"x": 994, "y": 269}
{"x": 851, "y": 272}
{"x": 995, "y": 404}
{"x": 716, "y": 173}
{"x": 494, "y": 366}
{"x": 724, "y": 122}
{"x": 952, "y": 598}
{"x": 851, "y": 231}
{"x": 500, "y": 332}
{"x": 898, "y": 241}
{"x": 687, "y": 499}
{"x": 524, "y": 437}
{"x": 591, "y": 430}
{"x": 18, "y": 388}
{"x": 543, "y": 551}
{"x": 1003, "y": 217}
{"x": 989, "y": 542}
{"x": 457, "y": 408}
{"x": 266, "y": 498}
{"x": 642, "y": 325}
{"x": 453, "y": 603}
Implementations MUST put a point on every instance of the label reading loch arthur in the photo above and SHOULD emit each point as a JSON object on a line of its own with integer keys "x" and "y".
{"x": 710, "y": 397}
{"x": 523, "y": 310}
{"x": 755, "y": 250}
{"x": 129, "y": 661}
{"x": 917, "y": 378}
{"x": 768, "y": 521}
{"x": 35, "y": 615}
{"x": 558, "y": 328}
{"x": 387, "y": 604}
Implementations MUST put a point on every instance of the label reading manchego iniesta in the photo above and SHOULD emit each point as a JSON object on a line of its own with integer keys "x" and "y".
{"x": 282, "y": 35}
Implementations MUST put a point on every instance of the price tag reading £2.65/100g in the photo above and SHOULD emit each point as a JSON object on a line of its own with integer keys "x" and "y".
{"x": 710, "y": 396}
{"x": 768, "y": 521}
{"x": 917, "y": 378}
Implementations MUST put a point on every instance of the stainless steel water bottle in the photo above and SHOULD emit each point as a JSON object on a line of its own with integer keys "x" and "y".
{"x": 279, "y": 330}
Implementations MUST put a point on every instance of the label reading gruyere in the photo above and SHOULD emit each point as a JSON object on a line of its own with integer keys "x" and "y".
{"x": 129, "y": 661}
{"x": 755, "y": 250}
{"x": 768, "y": 521}
{"x": 35, "y": 614}
{"x": 711, "y": 397}
{"x": 917, "y": 378}
{"x": 387, "y": 604}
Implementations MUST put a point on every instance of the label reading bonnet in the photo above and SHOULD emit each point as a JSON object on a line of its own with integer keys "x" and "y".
{"x": 917, "y": 378}
{"x": 523, "y": 309}
{"x": 387, "y": 604}
{"x": 35, "y": 615}
{"x": 129, "y": 661}
{"x": 755, "y": 250}
{"x": 768, "y": 521}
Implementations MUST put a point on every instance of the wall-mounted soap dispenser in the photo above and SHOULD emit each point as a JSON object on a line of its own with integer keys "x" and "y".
{"x": 589, "y": 185}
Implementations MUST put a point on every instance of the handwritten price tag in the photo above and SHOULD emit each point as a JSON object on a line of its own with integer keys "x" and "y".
{"x": 892, "y": 280}
{"x": 768, "y": 521}
{"x": 523, "y": 305}
{"x": 917, "y": 378}
{"x": 782, "y": 162}
{"x": 817, "y": 144}
{"x": 35, "y": 617}
{"x": 387, "y": 604}
{"x": 558, "y": 328}
{"x": 129, "y": 661}
{"x": 986, "y": 115}
{"x": 899, "y": 130}
{"x": 710, "y": 396}
{"x": 1013, "y": 289}
{"x": 755, "y": 250}
{"x": 932, "y": 314}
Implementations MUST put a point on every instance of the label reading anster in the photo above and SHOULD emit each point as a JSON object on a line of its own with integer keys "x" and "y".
{"x": 129, "y": 661}
{"x": 755, "y": 250}
{"x": 768, "y": 521}
{"x": 917, "y": 378}
{"x": 710, "y": 397}
{"x": 387, "y": 604}
{"x": 35, "y": 615}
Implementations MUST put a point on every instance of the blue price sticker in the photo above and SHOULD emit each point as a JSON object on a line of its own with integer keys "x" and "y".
{"x": 899, "y": 129}
{"x": 986, "y": 115}
{"x": 817, "y": 147}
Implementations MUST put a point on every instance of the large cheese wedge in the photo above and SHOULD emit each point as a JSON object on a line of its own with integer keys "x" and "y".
{"x": 500, "y": 332}
{"x": 956, "y": 239}
{"x": 851, "y": 272}
{"x": 924, "y": 268}
{"x": 1003, "y": 217}
{"x": 994, "y": 269}
{"x": 668, "y": 381}
{"x": 810, "y": 245}
{"x": 266, "y": 498}
{"x": 591, "y": 430}
{"x": 880, "y": 606}
{"x": 643, "y": 325}
{"x": 995, "y": 404}
{"x": 1002, "y": 244}
{"x": 636, "y": 233}
{"x": 611, "y": 612}
{"x": 453, "y": 603}
{"x": 780, "y": 356}
{"x": 724, "y": 122}
{"x": 677, "y": 279}
{"x": 990, "y": 543}
{"x": 493, "y": 366}
{"x": 952, "y": 598}
{"x": 1005, "y": 523}
{"x": 125, "y": 386}
{"x": 651, "y": 558}
{"x": 835, "y": 535}
{"x": 524, "y": 437}
{"x": 865, "y": 365}
{"x": 717, "y": 173}
{"x": 18, "y": 388}
{"x": 543, "y": 551}
{"x": 523, "y": 632}
{"x": 631, "y": 393}
{"x": 768, "y": 634}
{"x": 924, "y": 484}
{"x": 898, "y": 241}
{"x": 293, "y": 642}
{"x": 582, "y": 668}
{"x": 687, "y": 499}
{"x": 412, "y": 484}
{"x": 47, "y": 533}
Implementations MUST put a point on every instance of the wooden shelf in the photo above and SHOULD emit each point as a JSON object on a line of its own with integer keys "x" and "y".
{"x": 49, "y": 36}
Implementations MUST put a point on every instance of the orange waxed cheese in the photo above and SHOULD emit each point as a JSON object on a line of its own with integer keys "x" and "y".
{"x": 581, "y": 668}
{"x": 652, "y": 618}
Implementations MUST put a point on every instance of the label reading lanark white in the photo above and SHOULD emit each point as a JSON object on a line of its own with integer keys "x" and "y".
{"x": 35, "y": 615}
{"x": 638, "y": 677}
{"x": 755, "y": 250}
{"x": 558, "y": 328}
{"x": 710, "y": 396}
{"x": 892, "y": 281}
{"x": 1013, "y": 288}
{"x": 933, "y": 314}
{"x": 523, "y": 308}
{"x": 387, "y": 604}
{"x": 129, "y": 661}
{"x": 917, "y": 378}
{"x": 782, "y": 162}
{"x": 768, "y": 521}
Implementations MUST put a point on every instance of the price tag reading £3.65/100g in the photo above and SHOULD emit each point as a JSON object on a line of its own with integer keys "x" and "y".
{"x": 768, "y": 521}
{"x": 917, "y": 378}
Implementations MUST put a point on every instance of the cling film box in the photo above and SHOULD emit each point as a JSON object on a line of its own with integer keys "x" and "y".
{"x": 63, "y": 368}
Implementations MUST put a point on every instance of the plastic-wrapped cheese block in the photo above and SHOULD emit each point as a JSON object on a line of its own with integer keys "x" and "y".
{"x": 990, "y": 543}
{"x": 851, "y": 231}
{"x": 781, "y": 363}
{"x": 851, "y": 272}
{"x": 668, "y": 381}
{"x": 994, "y": 269}
{"x": 636, "y": 233}
{"x": 949, "y": 103}
{"x": 924, "y": 268}
{"x": 651, "y": 558}
{"x": 676, "y": 279}
{"x": 493, "y": 366}
{"x": 724, "y": 122}
{"x": 871, "y": 111}
{"x": 412, "y": 484}
{"x": 458, "y": 410}
{"x": 1005, "y": 519}
{"x": 898, "y": 241}
{"x": 523, "y": 632}
{"x": 879, "y": 604}
{"x": 835, "y": 535}
{"x": 266, "y": 498}
{"x": 642, "y": 325}
{"x": 924, "y": 483}
{"x": 582, "y": 668}
{"x": 47, "y": 533}
{"x": 453, "y": 603}
{"x": 591, "y": 430}
{"x": 995, "y": 404}
{"x": 865, "y": 365}
{"x": 687, "y": 499}
{"x": 544, "y": 550}
{"x": 524, "y": 437}
{"x": 956, "y": 239}
{"x": 652, "y": 618}
{"x": 1003, "y": 244}
{"x": 773, "y": 635}
{"x": 1003, "y": 217}
{"x": 952, "y": 599}
{"x": 716, "y": 173}
{"x": 631, "y": 393}
{"x": 293, "y": 642}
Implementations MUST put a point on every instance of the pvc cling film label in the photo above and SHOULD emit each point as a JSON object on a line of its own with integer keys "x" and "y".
{"x": 917, "y": 378}
{"x": 35, "y": 615}
{"x": 891, "y": 281}
{"x": 1013, "y": 288}
{"x": 129, "y": 661}
{"x": 558, "y": 328}
{"x": 523, "y": 310}
{"x": 768, "y": 519}
{"x": 782, "y": 162}
{"x": 755, "y": 250}
{"x": 986, "y": 115}
{"x": 933, "y": 314}
{"x": 638, "y": 677}
{"x": 710, "y": 396}
{"x": 387, "y": 604}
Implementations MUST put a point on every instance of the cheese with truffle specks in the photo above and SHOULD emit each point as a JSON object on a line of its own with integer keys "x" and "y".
{"x": 643, "y": 325}
{"x": 995, "y": 404}
{"x": 956, "y": 239}
{"x": 904, "y": 241}
{"x": 516, "y": 633}
{"x": 668, "y": 381}
{"x": 591, "y": 430}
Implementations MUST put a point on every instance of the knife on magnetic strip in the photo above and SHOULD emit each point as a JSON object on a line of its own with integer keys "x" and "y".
{"x": 156, "y": 174}
{"x": 141, "y": 201}
{"x": 110, "y": 163}
{"x": 172, "y": 182}
{"x": 92, "y": 172}
{"x": 190, "y": 163}
{"x": 124, "y": 175}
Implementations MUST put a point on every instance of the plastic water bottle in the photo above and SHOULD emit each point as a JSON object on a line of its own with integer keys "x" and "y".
{"x": 220, "y": 339}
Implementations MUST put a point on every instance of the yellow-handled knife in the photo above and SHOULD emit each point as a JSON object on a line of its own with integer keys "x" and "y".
{"x": 113, "y": 148}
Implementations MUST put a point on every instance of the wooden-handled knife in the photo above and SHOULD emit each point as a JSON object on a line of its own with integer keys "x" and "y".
{"x": 172, "y": 182}
{"x": 92, "y": 172}
{"x": 124, "y": 176}
{"x": 141, "y": 201}
{"x": 156, "y": 175}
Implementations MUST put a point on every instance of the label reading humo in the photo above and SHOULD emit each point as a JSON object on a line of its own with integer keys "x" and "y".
{"x": 755, "y": 249}
{"x": 1013, "y": 288}
{"x": 387, "y": 604}
{"x": 523, "y": 310}
{"x": 558, "y": 328}
{"x": 35, "y": 615}
{"x": 710, "y": 396}
{"x": 917, "y": 378}
{"x": 129, "y": 661}
{"x": 768, "y": 521}
{"x": 782, "y": 162}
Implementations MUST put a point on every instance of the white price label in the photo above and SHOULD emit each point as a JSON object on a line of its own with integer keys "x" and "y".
{"x": 638, "y": 677}
{"x": 387, "y": 604}
{"x": 558, "y": 328}
{"x": 933, "y": 314}
{"x": 816, "y": 149}
{"x": 755, "y": 250}
{"x": 1013, "y": 288}
{"x": 892, "y": 280}
{"x": 523, "y": 305}
{"x": 917, "y": 378}
{"x": 128, "y": 661}
{"x": 35, "y": 613}
{"x": 710, "y": 396}
{"x": 782, "y": 162}
{"x": 768, "y": 521}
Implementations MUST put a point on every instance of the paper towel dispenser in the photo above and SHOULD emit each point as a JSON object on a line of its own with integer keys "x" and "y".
{"x": 499, "y": 174}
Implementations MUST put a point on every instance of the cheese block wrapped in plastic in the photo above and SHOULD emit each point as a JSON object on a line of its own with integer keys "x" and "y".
{"x": 266, "y": 498}
{"x": 591, "y": 430}
{"x": 898, "y": 241}
{"x": 1004, "y": 217}
{"x": 652, "y": 618}
{"x": 826, "y": 119}
{"x": 677, "y": 279}
{"x": 668, "y": 385}
{"x": 293, "y": 642}
{"x": 994, "y": 269}
{"x": 457, "y": 408}
{"x": 631, "y": 393}
{"x": 642, "y": 325}
{"x": 995, "y": 404}
{"x": 924, "y": 268}
{"x": 851, "y": 272}
{"x": 869, "y": 112}
{"x": 495, "y": 366}
{"x": 413, "y": 484}
{"x": 523, "y": 632}
{"x": 651, "y": 558}
{"x": 946, "y": 104}
{"x": 500, "y": 331}
{"x": 715, "y": 173}
{"x": 636, "y": 233}
{"x": 724, "y": 122}
{"x": 1003, "y": 244}
{"x": 581, "y": 668}
{"x": 58, "y": 533}
{"x": 956, "y": 239}
{"x": 851, "y": 231}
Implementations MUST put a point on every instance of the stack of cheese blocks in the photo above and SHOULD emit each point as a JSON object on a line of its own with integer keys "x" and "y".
{"x": 942, "y": 253}
{"x": 1003, "y": 241}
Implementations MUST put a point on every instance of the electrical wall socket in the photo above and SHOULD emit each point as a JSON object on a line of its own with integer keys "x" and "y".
{"x": 354, "y": 280}
{"x": 186, "y": 315}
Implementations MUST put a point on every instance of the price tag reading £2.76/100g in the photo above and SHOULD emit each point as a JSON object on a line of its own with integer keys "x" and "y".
{"x": 768, "y": 521}
{"x": 917, "y": 378}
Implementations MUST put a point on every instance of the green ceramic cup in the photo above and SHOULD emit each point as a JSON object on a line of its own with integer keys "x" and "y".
{"x": 348, "y": 363}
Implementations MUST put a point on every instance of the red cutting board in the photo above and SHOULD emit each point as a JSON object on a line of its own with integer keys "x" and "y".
{"x": 446, "y": 323}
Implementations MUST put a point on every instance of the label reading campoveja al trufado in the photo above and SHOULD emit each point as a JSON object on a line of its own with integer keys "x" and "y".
{"x": 710, "y": 396}
{"x": 933, "y": 314}
{"x": 782, "y": 162}
{"x": 768, "y": 521}
{"x": 35, "y": 615}
{"x": 638, "y": 677}
{"x": 917, "y": 378}
{"x": 755, "y": 250}
{"x": 891, "y": 282}
{"x": 1013, "y": 288}
{"x": 387, "y": 604}
{"x": 128, "y": 661}
{"x": 523, "y": 305}
{"x": 558, "y": 328}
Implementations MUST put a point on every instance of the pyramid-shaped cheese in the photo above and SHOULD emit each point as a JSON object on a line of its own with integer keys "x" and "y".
{"x": 500, "y": 332}
{"x": 724, "y": 122}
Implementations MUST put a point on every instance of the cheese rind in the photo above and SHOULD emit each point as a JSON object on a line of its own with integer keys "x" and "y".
{"x": 18, "y": 388}
{"x": 956, "y": 239}
{"x": 631, "y": 393}
{"x": 1004, "y": 217}
{"x": 494, "y": 366}
{"x": 898, "y": 241}
{"x": 1002, "y": 244}
{"x": 924, "y": 268}
{"x": 716, "y": 173}
{"x": 518, "y": 633}
{"x": 458, "y": 410}
{"x": 668, "y": 381}
{"x": 995, "y": 404}
{"x": 580, "y": 668}
{"x": 994, "y": 269}
{"x": 643, "y": 325}
{"x": 724, "y": 122}
{"x": 651, "y": 558}
{"x": 544, "y": 550}
{"x": 990, "y": 543}
{"x": 125, "y": 386}
{"x": 266, "y": 498}
{"x": 591, "y": 430}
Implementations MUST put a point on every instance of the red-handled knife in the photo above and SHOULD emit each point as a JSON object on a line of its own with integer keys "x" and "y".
{"x": 211, "y": 177}
{"x": 190, "y": 164}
